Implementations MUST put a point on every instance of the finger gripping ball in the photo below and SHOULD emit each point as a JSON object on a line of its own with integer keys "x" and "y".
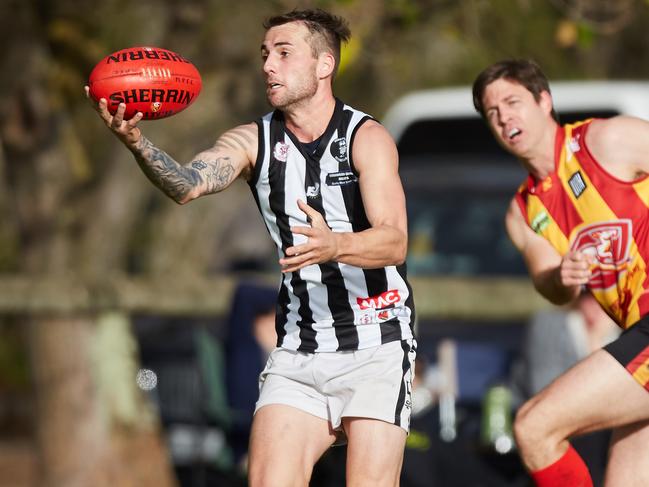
{"x": 157, "y": 82}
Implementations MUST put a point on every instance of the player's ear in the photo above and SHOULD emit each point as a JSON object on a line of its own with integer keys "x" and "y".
{"x": 546, "y": 101}
{"x": 326, "y": 64}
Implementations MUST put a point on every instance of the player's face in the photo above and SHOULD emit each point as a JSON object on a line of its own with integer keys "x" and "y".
{"x": 516, "y": 119}
{"x": 290, "y": 70}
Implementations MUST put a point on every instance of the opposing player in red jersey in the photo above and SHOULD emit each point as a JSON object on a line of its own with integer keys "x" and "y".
{"x": 580, "y": 220}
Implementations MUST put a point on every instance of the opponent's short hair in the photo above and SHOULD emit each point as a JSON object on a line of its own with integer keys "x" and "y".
{"x": 525, "y": 72}
{"x": 327, "y": 31}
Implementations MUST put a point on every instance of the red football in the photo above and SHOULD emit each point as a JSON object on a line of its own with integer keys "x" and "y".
{"x": 157, "y": 82}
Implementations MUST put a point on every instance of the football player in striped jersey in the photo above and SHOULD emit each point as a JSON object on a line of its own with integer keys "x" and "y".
{"x": 580, "y": 221}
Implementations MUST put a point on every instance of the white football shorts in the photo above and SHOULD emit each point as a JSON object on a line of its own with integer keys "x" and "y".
{"x": 371, "y": 383}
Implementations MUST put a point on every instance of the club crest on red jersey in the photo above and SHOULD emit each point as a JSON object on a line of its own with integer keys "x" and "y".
{"x": 609, "y": 245}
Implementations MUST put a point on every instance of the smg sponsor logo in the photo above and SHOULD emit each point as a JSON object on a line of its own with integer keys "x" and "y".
{"x": 381, "y": 301}
{"x": 146, "y": 95}
{"x": 139, "y": 54}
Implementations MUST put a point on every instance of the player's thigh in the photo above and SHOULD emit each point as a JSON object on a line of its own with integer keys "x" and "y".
{"x": 628, "y": 464}
{"x": 374, "y": 452}
{"x": 285, "y": 443}
{"x": 596, "y": 393}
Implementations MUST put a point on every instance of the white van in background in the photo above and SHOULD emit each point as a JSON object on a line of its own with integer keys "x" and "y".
{"x": 458, "y": 181}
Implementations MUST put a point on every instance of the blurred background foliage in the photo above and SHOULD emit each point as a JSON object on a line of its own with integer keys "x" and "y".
{"x": 73, "y": 200}
{"x": 74, "y": 205}
{"x": 67, "y": 184}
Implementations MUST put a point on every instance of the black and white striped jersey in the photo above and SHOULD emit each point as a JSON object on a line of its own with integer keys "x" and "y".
{"x": 330, "y": 306}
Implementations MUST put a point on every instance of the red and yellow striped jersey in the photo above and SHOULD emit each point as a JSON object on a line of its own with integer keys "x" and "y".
{"x": 582, "y": 207}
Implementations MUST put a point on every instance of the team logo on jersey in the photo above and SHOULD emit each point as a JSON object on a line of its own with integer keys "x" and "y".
{"x": 338, "y": 149}
{"x": 572, "y": 146}
{"x": 577, "y": 184}
{"x": 280, "y": 152}
{"x": 313, "y": 191}
{"x": 608, "y": 244}
{"x": 381, "y": 301}
{"x": 371, "y": 315}
{"x": 540, "y": 222}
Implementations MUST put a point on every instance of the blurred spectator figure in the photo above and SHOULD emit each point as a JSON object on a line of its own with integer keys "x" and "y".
{"x": 557, "y": 339}
{"x": 249, "y": 339}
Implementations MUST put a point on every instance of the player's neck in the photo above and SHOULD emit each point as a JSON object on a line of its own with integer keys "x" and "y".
{"x": 540, "y": 161}
{"x": 309, "y": 120}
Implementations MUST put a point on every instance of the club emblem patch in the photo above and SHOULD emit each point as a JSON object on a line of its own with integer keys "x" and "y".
{"x": 608, "y": 244}
{"x": 338, "y": 149}
{"x": 280, "y": 152}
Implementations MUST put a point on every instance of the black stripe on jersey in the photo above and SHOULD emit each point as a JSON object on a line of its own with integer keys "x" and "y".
{"x": 260, "y": 154}
{"x": 277, "y": 200}
{"x": 410, "y": 302}
{"x": 337, "y": 294}
{"x": 403, "y": 390}
{"x": 281, "y": 312}
{"x": 252, "y": 183}
{"x": 376, "y": 280}
{"x": 277, "y": 182}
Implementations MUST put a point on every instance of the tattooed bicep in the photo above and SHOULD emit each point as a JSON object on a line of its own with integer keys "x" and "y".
{"x": 230, "y": 157}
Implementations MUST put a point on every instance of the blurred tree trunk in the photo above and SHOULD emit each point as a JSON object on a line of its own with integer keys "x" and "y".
{"x": 74, "y": 443}
{"x": 86, "y": 435}
{"x": 57, "y": 206}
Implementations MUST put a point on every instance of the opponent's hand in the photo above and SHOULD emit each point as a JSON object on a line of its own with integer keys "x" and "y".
{"x": 321, "y": 246}
{"x": 125, "y": 130}
{"x": 574, "y": 269}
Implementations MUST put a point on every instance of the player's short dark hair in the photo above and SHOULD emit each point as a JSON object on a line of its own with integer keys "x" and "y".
{"x": 328, "y": 31}
{"x": 522, "y": 71}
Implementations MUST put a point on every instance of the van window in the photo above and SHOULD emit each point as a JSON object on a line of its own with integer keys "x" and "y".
{"x": 458, "y": 184}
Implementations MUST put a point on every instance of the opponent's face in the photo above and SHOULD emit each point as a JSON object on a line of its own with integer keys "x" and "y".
{"x": 290, "y": 69}
{"x": 516, "y": 119}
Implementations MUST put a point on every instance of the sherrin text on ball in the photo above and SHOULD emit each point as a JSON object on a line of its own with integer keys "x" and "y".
{"x": 155, "y": 81}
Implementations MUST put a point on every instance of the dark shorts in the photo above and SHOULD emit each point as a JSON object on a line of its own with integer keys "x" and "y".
{"x": 631, "y": 349}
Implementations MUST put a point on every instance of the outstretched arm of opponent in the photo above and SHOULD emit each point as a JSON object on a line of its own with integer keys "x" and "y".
{"x": 559, "y": 279}
{"x": 210, "y": 171}
{"x": 385, "y": 243}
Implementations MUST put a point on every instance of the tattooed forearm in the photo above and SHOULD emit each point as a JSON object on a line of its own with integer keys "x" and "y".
{"x": 163, "y": 171}
{"x": 217, "y": 175}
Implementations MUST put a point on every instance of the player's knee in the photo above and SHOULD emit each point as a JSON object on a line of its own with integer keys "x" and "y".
{"x": 529, "y": 430}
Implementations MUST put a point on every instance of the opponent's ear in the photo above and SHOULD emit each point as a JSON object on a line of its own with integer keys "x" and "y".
{"x": 326, "y": 65}
{"x": 546, "y": 102}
